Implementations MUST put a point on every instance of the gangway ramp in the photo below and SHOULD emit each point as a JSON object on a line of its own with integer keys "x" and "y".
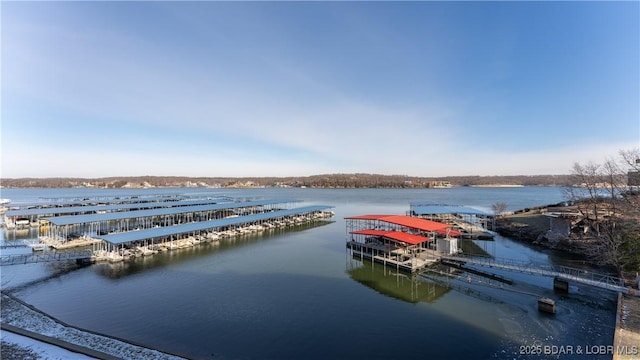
{"x": 47, "y": 256}
{"x": 566, "y": 273}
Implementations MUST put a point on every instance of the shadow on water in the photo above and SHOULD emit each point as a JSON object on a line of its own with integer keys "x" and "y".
{"x": 509, "y": 311}
{"x": 427, "y": 286}
{"x": 125, "y": 268}
{"x": 53, "y": 270}
{"x": 476, "y": 247}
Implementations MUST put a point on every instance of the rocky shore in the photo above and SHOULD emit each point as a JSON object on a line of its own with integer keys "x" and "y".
{"x": 557, "y": 227}
{"x": 534, "y": 226}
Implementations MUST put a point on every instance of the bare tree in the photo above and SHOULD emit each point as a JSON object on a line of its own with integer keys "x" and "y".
{"x": 585, "y": 191}
{"x": 499, "y": 208}
{"x": 631, "y": 158}
{"x": 610, "y": 211}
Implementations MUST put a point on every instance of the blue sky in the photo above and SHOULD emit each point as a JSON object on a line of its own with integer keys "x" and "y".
{"x": 92, "y": 89}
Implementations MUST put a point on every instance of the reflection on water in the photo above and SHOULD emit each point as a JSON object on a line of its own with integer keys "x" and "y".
{"x": 124, "y": 268}
{"x": 399, "y": 285}
{"x": 508, "y": 311}
{"x": 13, "y": 236}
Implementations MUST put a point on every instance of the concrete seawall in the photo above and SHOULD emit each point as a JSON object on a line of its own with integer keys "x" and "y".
{"x": 23, "y": 319}
{"x": 58, "y": 342}
{"x": 626, "y": 339}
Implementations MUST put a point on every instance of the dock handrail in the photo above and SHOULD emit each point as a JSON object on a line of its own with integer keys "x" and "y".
{"x": 46, "y": 256}
{"x": 14, "y": 246}
{"x": 583, "y": 276}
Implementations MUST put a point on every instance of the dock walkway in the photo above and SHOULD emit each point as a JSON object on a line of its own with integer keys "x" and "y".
{"x": 563, "y": 272}
{"x": 395, "y": 257}
{"x": 46, "y": 256}
{"x": 471, "y": 230}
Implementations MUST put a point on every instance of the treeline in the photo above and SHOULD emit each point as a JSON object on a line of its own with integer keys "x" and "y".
{"x": 320, "y": 181}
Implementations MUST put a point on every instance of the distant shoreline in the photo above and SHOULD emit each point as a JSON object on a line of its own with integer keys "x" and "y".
{"x": 498, "y": 186}
{"x": 329, "y": 181}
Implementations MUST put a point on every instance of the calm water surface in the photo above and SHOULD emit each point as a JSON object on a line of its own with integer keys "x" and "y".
{"x": 296, "y": 294}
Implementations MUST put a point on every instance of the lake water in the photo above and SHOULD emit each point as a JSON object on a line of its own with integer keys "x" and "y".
{"x": 298, "y": 295}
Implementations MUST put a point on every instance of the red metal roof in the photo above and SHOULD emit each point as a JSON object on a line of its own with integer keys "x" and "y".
{"x": 412, "y": 222}
{"x": 408, "y": 221}
{"x": 394, "y": 235}
{"x": 367, "y": 217}
{"x": 370, "y": 232}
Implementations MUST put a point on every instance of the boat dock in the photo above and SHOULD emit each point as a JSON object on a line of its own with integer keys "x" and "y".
{"x": 134, "y": 227}
{"x": 404, "y": 242}
{"x": 25, "y": 215}
{"x": 411, "y": 244}
{"x": 472, "y": 223}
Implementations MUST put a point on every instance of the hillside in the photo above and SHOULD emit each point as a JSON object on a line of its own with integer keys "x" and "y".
{"x": 318, "y": 181}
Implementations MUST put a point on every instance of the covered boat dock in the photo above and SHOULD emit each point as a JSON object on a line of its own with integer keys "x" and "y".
{"x": 31, "y": 215}
{"x": 142, "y": 225}
{"x": 119, "y": 246}
{"x": 404, "y": 242}
{"x": 473, "y": 223}
{"x": 62, "y": 228}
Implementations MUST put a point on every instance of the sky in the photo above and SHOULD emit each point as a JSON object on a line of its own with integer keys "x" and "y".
{"x": 434, "y": 89}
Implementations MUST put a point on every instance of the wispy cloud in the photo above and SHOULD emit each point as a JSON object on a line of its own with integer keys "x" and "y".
{"x": 207, "y": 95}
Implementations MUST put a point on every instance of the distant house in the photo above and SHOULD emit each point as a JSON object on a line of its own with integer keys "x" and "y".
{"x": 439, "y": 184}
{"x": 559, "y": 224}
{"x": 633, "y": 176}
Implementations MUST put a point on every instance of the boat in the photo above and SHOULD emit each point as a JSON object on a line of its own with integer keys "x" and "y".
{"x": 38, "y": 247}
{"x": 22, "y": 223}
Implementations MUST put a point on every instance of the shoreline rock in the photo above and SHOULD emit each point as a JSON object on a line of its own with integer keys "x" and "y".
{"x": 534, "y": 228}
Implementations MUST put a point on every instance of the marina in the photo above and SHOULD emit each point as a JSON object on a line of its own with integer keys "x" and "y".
{"x": 290, "y": 291}
{"x": 32, "y": 214}
{"x": 123, "y": 228}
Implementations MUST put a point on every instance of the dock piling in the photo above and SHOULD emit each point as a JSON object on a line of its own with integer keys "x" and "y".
{"x": 560, "y": 285}
{"x": 547, "y": 305}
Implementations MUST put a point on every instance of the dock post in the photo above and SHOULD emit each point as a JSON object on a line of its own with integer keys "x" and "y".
{"x": 560, "y": 285}
{"x": 547, "y": 305}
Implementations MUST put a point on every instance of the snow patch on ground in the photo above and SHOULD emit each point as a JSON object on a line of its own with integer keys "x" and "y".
{"x": 16, "y": 346}
{"x": 17, "y": 314}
